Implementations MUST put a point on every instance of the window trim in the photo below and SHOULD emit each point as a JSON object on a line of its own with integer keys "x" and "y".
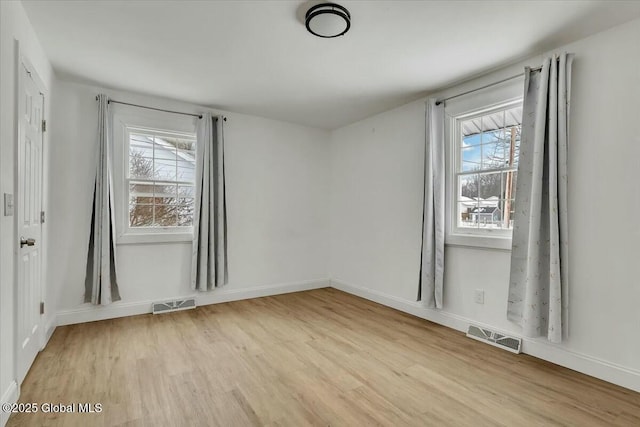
{"x": 499, "y": 97}
{"x": 124, "y": 121}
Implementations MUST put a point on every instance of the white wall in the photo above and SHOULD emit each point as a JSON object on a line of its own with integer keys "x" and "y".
{"x": 14, "y": 26}
{"x": 376, "y": 197}
{"x": 376, "y": 201}
{"x": 277, "y": 199}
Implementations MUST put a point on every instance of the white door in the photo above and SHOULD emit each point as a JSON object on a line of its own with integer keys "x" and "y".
{"x": 29, "y": 228}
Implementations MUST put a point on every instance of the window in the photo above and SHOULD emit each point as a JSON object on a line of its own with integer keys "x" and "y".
{"x": 154, "y": 175}
{"x": 486, "y": 162}
{"x": 483, "y": 145}
{"x": 160, "y": 178}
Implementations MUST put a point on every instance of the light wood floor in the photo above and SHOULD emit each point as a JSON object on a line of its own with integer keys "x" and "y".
{"x": 321, "y": 357}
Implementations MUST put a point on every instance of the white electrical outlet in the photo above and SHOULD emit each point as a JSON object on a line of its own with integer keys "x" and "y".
{"x": 479, "y": 296}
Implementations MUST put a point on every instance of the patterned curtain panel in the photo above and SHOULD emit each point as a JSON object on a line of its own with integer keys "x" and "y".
{"x": 209, "y": 255}
{"x": 101, "y": 284}
{"x": 432, "y": 258}
{"x": 538, "y": 286}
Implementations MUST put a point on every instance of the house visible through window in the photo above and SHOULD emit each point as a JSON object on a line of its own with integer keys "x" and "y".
{"x": 486, "y": 162}
{"x": 160, "y": 179}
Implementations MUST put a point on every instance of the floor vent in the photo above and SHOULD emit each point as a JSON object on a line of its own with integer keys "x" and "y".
{"x": 505, "y": 342}
{"x": 177, "y": 305}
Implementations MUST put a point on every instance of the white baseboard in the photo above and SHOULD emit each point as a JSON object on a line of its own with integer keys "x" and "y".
{"x": 9, "y": 396}
{"x": 91, "y": 313}
{"x": 49, "y": 329}
{"x": 540, "y": 348}
{"x": 230, "y": 294}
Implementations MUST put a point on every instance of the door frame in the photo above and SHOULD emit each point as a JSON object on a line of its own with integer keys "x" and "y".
{"x": 20, "y": 63}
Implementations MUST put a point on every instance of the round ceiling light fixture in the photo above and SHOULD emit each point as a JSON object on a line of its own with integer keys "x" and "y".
{"x": 328, "y": 20}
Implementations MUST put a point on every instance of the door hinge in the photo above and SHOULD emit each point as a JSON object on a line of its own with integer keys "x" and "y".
{"x": 44, "y": 126}
{"x": 42, "y": 217}
{"x": 42, "y": 308}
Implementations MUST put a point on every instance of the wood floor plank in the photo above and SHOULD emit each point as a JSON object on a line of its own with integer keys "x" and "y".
{"x": 314, "y": 358}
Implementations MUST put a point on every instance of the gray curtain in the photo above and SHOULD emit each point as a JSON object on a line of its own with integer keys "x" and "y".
{"x": 538, "y": 292}
{"x": 209, "y": 255}
{"x": 101, "y": 284}
{"x": 432, "y": 257}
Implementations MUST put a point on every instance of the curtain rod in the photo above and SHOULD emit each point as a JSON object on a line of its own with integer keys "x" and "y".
{"x": 156, "y": 109}
{"x": 440, "y": 101}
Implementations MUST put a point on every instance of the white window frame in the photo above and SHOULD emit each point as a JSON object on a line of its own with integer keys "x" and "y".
{"x": 125, "y": 120}
{"x": 496, "y": 98}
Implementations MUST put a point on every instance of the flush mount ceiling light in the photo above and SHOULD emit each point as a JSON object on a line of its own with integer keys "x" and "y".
{"x": 328, "y": 20}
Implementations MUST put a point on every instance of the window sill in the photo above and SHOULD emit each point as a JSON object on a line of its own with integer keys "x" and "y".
{"x": 501, "y": 243}
{"x": 145, "y": 238}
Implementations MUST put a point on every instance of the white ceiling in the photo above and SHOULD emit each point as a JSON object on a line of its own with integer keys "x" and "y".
{"x": 256, "y": 57}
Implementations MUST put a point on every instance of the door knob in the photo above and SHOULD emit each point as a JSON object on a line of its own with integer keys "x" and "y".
{"x": 27, "y": 242}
